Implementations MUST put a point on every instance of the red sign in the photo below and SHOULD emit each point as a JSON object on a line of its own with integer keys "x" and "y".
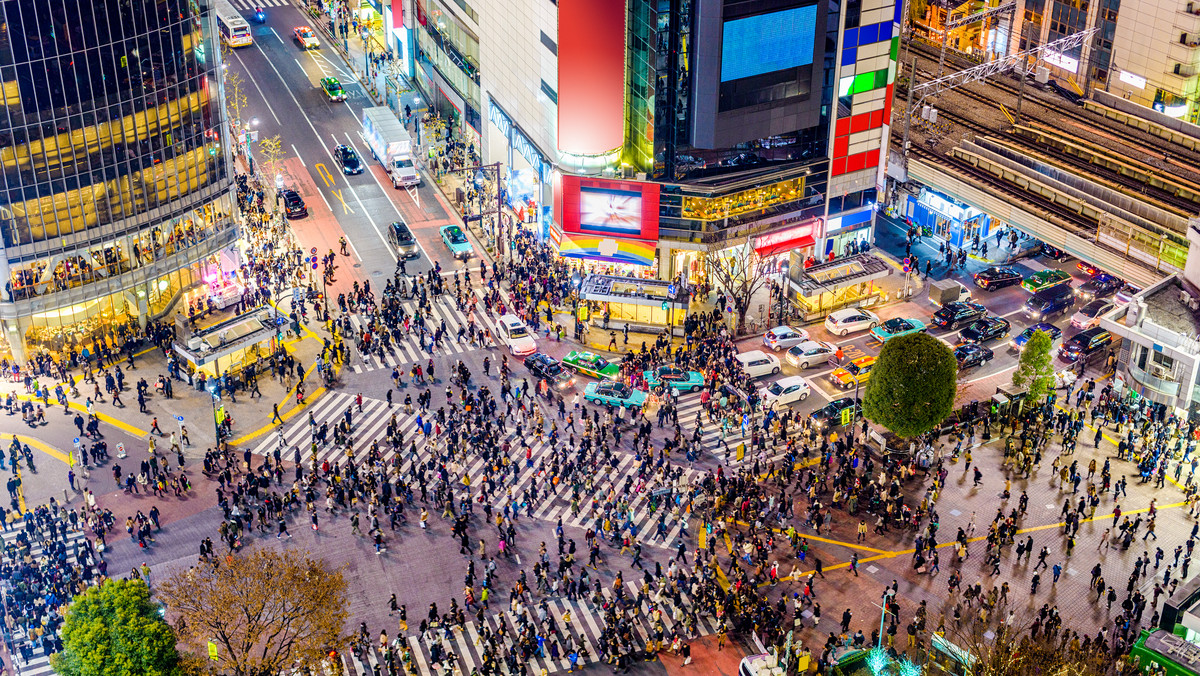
{"x": 591, "y": 76}
{"x": 607, "y": 208}
{"x": 781, "y": 241}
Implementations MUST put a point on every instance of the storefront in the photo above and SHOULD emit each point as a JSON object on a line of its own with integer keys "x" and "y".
{"x": 848, "y": 234}
{"x": 956, "y": 224}
{"x": 776, "y": 247}
{"x": 230, "y": 346}
{"x": 527, "y": 175}
{"x": 825, "y": 287}
{"x": 641, "y": 304}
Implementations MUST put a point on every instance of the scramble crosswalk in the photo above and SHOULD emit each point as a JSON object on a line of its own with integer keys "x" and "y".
{"x": 410, "y": 349}
{"x": 648, "y": 505}
{"x": 251, "y": 5}
{"x": 723, "y": 443}
{"x": 38, "y": 662}
{"x": 585, "y": 625}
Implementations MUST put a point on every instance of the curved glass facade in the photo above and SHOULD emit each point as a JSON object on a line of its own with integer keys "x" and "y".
{"x": 114, "y": 172}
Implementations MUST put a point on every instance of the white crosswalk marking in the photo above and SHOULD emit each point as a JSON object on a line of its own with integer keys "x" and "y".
{"x": 251, "y": 5}
{"x": 412, "y": 348}
{"x": 39, "y": 662}
{"x": 585, "y": 625}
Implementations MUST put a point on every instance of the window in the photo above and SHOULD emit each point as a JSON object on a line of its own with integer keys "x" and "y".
{"x": 550, "y": 44}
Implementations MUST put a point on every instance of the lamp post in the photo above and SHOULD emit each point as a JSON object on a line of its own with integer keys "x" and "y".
{"x": 215, "y": 397}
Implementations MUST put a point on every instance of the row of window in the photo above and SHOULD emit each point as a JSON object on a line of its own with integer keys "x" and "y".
{"x": 49, "y": 28}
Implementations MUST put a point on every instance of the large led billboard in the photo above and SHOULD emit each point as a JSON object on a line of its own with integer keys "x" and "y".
{"x": 607, "y": 208}
{"x": 591, "y": 76}
{"x": 767, "y": 43}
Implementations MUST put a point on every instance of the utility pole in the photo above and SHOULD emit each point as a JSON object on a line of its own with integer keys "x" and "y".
{"x": 908, "y": 111}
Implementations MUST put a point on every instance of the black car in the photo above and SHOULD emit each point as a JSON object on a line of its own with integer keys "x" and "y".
{"x": 830, "y": 415}
{"x": 1102, "y": 285}
{"x": 988, "y": 328}
{"x": 348, "y": 160}
{"x": 971, "y": 355}
{"x": 1086, "y": 345}
{"x": 293, "y": 204}
{"x": 997, "y": 277}
{"x": 545, "y": 366}
{"x": 402, "y": 238}
{"x": 954, "y": 315}
{"x": 1055, "y": 253}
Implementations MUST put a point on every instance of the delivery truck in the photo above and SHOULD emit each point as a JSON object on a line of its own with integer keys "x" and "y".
{"x": 391, "y": 144}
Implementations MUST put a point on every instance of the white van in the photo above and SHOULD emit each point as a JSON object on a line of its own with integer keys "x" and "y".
{"x": 516, "y": 336}
{"x": 757, "y": 363}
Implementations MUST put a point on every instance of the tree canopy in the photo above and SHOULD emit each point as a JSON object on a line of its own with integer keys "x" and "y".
{"x": 266, "y": 611}
{"x": 1035, "y": 372}
{"x": 912, "y": 386}
{"x": 115, "y": 630}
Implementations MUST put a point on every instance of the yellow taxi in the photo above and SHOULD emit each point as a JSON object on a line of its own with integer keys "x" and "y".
{"x": 856, "y": 372}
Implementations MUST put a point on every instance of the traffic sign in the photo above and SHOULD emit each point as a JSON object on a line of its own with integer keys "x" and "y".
{"x": 313, "y": 250}
{"x": 907, "y": 263}
{"x": 671, "y": 290}
{"x": 846, "y": 416}
{"x": 179, "y": 418}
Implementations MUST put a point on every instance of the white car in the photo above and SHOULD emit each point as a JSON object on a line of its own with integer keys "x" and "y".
{"x": 757, "y": 363}
{"x": 1089, "y": 315}
{"x": 783, "y": 337}
{"x": 516, "y": 336}
{"x": 849, "y": 320}
{"x": 810, "y": 353}
{"x": 785, "y": 392}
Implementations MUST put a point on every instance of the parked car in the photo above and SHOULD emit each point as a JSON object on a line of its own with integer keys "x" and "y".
{"x": 954, "y": 315}
{"x": 757, "y": 363}
{"x": 673, "y": 376}
{"x": 1054, "y": 252}
{"x": 1089, "y": 269}
{"x": 849, "y": 320}
{"x": 544, "y": 366}
{"x": 402, "y": 238}
{"x": 983, "y": 330}
{"x": 894, "y": 328}
{"x": 348, "y": 160}
{"x": 1086, "y": 345}
{"x": 996, "y": 277}
{"x": 857, "y": 372}
{"x": 608, "y": 393}
{"x": 972, "y": 355}
{"x": 830, "y": 415}
{"x": 590, "y": 364}
{"x": 1089, "y": 315}
{"x": 293, "y": 204}
{"x": 456, "y": 241}
{"x": 810, "y": 353}
{"x": 1055, "y": 333}
{"x": 783, "y": 337}
{"x": 785, "y": 392}
{"x": 1101, "y": 285}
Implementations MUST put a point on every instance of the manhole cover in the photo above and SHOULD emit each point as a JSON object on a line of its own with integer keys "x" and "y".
{"x": 358, "y": 265}
{"x": 377, "y": 273}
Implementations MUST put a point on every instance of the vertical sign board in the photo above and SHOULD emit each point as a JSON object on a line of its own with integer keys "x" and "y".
{"x": 591, "y": 76}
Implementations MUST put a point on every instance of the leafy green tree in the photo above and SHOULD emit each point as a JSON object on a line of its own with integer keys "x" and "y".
{"x": 1035, "y": 372}
{"x": 115, "y": 630}
{"x": 912, "y": 386}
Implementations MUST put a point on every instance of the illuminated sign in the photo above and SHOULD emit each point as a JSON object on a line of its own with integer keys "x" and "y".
{"x": 1135, "y": 80}
{"x": 783, "y": 241}
{"x": 766, "y": 43}
{"x": 516, "y": 139}
{"x": 591, "y": 76}
{"x": 1062, "y": 61}
{"x": 606, "y": 208}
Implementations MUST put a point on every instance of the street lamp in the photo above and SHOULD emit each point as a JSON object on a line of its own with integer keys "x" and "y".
{"x": 213, "y": 390}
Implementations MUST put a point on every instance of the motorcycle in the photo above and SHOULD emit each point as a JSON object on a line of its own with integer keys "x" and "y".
{"x": 259, "y": 15}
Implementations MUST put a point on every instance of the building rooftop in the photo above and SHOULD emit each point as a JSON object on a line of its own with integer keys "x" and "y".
{"x": 1167, "y": 308}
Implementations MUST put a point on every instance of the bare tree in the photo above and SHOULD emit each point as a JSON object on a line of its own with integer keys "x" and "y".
{"x": 1021, "y": 646}
{"x": 270, "y": 150}
{"x": 741, "y": 273}
{"x": 236, "y": 100}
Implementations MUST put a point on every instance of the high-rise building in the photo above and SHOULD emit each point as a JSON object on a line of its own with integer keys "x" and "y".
{"x": 115, "y": 194}
{"x": 643, "y": 133}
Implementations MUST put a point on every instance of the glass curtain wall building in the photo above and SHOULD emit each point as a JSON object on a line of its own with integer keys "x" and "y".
{"x": 115, "y": 195}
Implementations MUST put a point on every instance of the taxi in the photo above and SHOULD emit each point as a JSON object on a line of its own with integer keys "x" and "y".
{"x": 857, "y": 372}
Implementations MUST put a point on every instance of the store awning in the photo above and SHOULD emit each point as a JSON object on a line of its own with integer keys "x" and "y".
{"x": 787, "y": 239}
{"x": 608, "y": 249}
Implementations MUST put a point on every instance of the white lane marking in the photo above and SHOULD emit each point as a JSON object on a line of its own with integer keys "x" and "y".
{"x": 297, "y": 152}
{"x": 402, "y": 219}
{"x": 992, "y": 375}
{"x": 353, "y": 192}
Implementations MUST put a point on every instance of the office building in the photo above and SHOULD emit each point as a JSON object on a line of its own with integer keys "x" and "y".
{"x": 115, "y": 198}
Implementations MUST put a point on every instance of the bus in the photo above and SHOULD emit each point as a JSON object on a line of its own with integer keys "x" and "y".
{"x": 235, "y": 32}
